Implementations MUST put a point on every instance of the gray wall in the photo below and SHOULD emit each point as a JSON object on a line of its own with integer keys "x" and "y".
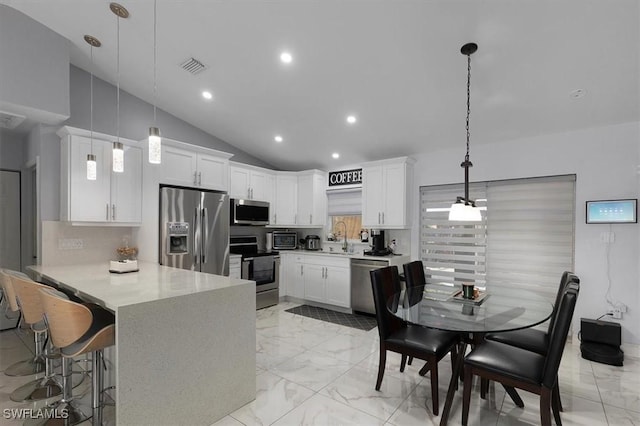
{"x": 34, "y": 68}
{"x": 11, "y": 150}
{"x": 135, "y": 117}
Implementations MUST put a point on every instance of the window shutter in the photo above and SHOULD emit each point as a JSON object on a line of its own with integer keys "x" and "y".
{"x": 452, "y": 252}
{"x": 344, "y": 202}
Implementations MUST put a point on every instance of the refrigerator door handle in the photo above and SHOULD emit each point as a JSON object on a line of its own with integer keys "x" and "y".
{"x": 205, "y": 223}
{"x": 196, "y": 236}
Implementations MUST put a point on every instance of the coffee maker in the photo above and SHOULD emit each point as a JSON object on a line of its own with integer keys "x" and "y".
{"x": 378, "y": 247}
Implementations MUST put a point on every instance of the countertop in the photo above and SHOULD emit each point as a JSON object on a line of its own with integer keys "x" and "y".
{"x": 392, "y": 259}
{"x": 151, "y": 283}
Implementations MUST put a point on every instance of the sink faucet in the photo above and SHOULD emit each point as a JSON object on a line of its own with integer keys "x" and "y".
{"x": 344, "y": 244}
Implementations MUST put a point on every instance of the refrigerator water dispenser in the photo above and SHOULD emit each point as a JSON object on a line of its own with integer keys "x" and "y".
{"x": 178, "y": 238}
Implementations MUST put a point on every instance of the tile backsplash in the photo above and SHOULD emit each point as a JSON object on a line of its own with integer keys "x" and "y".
{"x": 64, "y": 244}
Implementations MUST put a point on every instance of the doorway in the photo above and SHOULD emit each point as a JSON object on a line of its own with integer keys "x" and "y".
{"x": 10, "y": 222}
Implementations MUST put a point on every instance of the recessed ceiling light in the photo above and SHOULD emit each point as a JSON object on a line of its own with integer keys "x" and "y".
{"x": 277, "y": 138}
{"x": 578, "y": 93}
{"x": 335, "y": 155}
{"x": 286, "y": 57}
{"x": 351, "y": 119}
{"x": 207, "y": 95}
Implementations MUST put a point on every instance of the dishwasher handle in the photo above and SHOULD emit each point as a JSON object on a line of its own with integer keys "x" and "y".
{"x": 369, "y": 263}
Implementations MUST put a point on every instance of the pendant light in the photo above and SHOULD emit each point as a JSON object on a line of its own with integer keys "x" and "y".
{"x": 155, "y": 141}
{"x": 118, "y": 148}
{"x": 464, "y": 209}
{"x": 92, "y": 167}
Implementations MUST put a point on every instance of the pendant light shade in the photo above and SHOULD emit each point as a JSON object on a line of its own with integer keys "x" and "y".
{"x": 464, "y": 209}
{"x": 155, "y": 140}
{"x": 155, "y": 145}
{"x": 118, "y": 157}
{"x": 92, "y": 167}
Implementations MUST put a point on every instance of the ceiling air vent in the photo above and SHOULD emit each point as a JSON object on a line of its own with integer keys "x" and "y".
{"x": 9, "y": 120}
{"x": 193, "y": 65}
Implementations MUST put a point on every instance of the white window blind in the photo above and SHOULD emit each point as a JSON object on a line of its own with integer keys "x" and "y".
{"x": 452, "y": 252}
{"x": 344, "y": 202}
{"x": 531, "y": 232}
{"x": 526, "y": 237}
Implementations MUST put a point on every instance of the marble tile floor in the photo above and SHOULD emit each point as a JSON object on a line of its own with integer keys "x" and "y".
{"x": 311, "y": 372}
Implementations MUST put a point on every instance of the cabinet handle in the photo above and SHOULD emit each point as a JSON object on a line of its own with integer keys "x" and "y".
{"x": 113, "y": 212}
{"x": 251, "y": 193}
{"x": 310, "y": 219}
{"x": 275, "y": 218}
{"x": 195, "y": 178}
{"x": 379, "y": 218}
{"x": 295, "y": 218}
{"x": 200, "y": 178}
{"x": 301, "y": 269}
{"x": 107, "y": 216}
{"x": 325, "y": 272}
{"x": 383, "y": 218}
{"x": 248, "y": 192}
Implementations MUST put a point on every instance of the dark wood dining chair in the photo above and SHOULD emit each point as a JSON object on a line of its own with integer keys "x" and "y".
{"x": 524, "y": 369}
{"x": 408, "y": 340}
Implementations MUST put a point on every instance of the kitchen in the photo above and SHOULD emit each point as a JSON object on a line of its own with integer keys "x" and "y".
{"x": 609, "y": 145}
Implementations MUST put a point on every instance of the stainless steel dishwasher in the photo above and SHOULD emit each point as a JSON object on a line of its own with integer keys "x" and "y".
{"x": 361, "y": 293}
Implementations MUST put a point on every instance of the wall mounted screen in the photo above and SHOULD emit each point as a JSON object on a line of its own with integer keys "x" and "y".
{"x": 612, "y": 211}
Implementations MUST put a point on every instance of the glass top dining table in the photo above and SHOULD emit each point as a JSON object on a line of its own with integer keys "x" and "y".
{"x": 498, "y": 309}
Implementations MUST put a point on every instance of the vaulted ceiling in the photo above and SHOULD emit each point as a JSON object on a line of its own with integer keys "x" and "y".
{"x": 395, "y": 65}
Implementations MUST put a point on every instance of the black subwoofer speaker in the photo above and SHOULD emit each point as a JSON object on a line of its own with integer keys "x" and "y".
{"x": 600, "y": 341}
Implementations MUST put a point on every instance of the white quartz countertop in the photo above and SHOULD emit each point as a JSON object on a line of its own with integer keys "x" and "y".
{"x": 152, "y": 282}
{"x": 392, "y": 259}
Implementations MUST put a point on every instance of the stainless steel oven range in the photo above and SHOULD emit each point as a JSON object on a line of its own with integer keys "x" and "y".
{"x": 263, "y": 267}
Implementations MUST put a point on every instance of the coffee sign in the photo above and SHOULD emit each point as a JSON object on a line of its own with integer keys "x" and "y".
{"x": 345, "y": 177}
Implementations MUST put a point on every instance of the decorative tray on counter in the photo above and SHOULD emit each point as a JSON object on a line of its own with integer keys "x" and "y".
{"x": 482, "y": 295}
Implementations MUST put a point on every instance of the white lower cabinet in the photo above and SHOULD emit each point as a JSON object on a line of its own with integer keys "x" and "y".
{"x": 316, "y": 278}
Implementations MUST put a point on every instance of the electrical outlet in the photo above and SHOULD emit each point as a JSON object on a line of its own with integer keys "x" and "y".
{"x": 70, "y": 244}
{"x": 607, "y": 237}
{"x": 615, "y": 313}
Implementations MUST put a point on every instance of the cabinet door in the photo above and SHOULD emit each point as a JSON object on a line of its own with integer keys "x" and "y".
{"x": 239, "y": 182}
{"x": 178, "y": 167}
{"x": 89, "y": 200}
{"x": 261, "y": 186}
{"x": 394, "y": 211}
{"x": 305, "y": 200}
{"x": 213, "y": 172}
{"x": 126, "y": 188}
{"x": 372, "y": 196}
{"x": 338, "y": 286}
{"x": 314, "y": 282}
{"x": 286, "y": 199}
{"x": 296, "y": 285}
{"x": 319, "y": 210}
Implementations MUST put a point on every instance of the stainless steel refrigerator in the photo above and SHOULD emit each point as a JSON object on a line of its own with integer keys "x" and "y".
{"x": 194, "y": 229}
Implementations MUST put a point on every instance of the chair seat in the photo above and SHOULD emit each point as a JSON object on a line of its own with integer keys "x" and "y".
{"x": 516, "y": 363}
{"x": 103, "y": 325}
{"x": 530, "y": 339}
{"x": 422, "y": 339}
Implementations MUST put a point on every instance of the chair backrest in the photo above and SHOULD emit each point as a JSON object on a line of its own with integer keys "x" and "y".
{"x": 8, "y": 290}
{"x": 385, "y": 282}
{"x": 558, "y": 336}
{"x": 67, "y": 321}
{"x": 28, "y": 298}
{"x": 414, "y": 277}
{"x": 567, "y": 278}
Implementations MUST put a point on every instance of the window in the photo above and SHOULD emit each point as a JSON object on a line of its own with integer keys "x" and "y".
{"x": 345, "y": 205}
{"x": 526, "y": 237}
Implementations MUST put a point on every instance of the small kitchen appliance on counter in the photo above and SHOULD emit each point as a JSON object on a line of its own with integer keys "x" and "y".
{"x": 378, "y": 248}
{"x": 311, "y": 242}
{"x": 284, "y": 240}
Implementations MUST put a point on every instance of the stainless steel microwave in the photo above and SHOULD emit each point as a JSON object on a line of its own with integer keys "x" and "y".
{"x": 284, "y": 240}
{"x": 249, "y": 212}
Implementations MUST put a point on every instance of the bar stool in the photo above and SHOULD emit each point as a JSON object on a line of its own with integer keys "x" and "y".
{"x": 28, "y": 297}
{"x": 78, "y": 329}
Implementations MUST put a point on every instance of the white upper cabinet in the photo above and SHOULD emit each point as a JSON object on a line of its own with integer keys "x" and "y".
{"x": 312, "y": 198}
{"x": 191, "y": 166}
{"x": 385, "y": 200}
{"x": 113, "y": 198}
{"x": 252, "y": 183}
{"x": 286, "y": 199}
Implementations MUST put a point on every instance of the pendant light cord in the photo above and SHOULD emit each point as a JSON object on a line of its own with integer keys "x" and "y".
{"x": 91, "y": 99}
{"x": 118, "y": 81}
{"x": 155, "y": 54}
{"x": 466, "y": 158}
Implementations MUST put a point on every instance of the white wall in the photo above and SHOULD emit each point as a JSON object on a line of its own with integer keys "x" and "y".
{"x": 605, "y": 161}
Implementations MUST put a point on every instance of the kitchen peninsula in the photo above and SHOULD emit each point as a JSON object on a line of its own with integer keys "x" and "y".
{"x": 185, "y": 340}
